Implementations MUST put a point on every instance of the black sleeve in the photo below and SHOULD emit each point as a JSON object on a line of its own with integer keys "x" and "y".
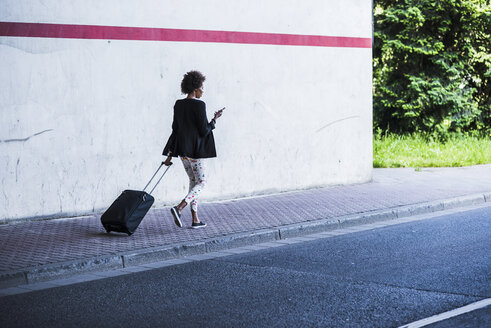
{"x": 204, "y": 127}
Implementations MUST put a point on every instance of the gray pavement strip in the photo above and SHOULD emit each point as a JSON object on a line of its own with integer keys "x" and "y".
{"x": 228, "y": 244}
{"x": 75, "y": 279}
{"x": 14, "y": 291}
{"x": 156, "y": 254}
{"x": 39, "y": 286}
{"x": 12, "y": 278}
{"x": 70, "y": 268}
{"x": 59, "y": 270}
{"x": 241, "y": 239}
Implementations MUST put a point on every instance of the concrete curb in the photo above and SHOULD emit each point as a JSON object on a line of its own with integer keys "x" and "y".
{"x": 138, "y": 257}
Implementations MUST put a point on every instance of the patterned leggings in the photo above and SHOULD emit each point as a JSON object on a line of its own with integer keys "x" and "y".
{"x": 195, "y": 168}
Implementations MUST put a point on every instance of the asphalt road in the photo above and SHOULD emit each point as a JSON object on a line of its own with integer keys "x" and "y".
{"x": 385, "y": 277}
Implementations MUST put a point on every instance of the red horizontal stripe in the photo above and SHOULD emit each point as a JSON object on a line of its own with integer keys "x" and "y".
{"x": 42, "y": 30}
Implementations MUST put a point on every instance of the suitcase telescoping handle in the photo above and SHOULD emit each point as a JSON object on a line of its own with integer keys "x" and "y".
{"x": 162, "y": 164}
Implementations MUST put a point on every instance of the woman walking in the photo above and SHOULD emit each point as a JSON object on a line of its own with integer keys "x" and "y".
{"x": 192, "y": 140}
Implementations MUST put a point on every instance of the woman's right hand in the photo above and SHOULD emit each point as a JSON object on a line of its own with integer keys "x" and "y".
{"x": 167, "y": 161}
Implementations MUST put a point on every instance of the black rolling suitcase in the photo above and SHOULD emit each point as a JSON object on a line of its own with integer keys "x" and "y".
{"x": 128, "y": 210}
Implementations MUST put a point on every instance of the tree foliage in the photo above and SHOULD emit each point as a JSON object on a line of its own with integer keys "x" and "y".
{"x": 432, "y": 66}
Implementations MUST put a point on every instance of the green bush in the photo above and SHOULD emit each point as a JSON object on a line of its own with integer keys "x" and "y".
{"x": 432, "y": 67}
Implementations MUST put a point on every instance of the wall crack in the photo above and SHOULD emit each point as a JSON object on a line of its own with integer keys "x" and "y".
{"x": 333, "y": 122}
{"x": 26, "y": 139}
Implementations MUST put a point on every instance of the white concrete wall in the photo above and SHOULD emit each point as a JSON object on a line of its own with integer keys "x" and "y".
{"x": 103, "y": 110}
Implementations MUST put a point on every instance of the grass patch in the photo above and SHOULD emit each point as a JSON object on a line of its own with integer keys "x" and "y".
{"x": 417, "y": 151}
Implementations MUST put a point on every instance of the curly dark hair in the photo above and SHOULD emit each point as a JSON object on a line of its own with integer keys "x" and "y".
{"x": 192, "y": 80}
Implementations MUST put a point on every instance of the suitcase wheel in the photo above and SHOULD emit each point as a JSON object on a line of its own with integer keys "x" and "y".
{"x": 108, "y": 230}
{"x": 129, "y": 233}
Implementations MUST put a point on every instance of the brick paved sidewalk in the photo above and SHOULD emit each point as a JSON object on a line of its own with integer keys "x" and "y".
{"x": 39, "y": 244}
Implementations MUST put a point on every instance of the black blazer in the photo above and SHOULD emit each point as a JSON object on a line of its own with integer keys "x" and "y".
{"x": 192, "y": 135}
